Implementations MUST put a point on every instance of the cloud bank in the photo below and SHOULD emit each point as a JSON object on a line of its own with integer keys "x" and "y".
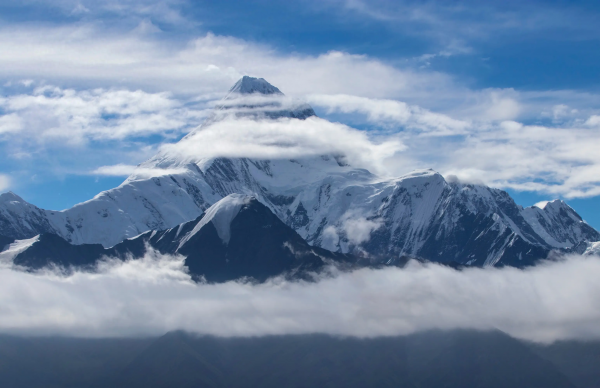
{"x": 556, "y": 300}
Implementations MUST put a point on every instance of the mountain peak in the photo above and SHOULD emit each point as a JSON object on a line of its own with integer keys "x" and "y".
{"x": 9, "y": 196}
{"x": 250, "y": 85}
{"x": 255, "y": 97}
{"x": 554, "y": 206}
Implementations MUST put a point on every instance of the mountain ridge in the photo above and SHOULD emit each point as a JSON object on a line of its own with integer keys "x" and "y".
{"x": 326, "y": 201}
{"x": 236, "y": 238}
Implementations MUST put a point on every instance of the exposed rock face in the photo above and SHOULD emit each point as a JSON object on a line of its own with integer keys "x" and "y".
{"x": 238, "y": 237}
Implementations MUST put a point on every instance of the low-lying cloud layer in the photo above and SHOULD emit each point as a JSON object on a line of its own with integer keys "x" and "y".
{"x": 557, "y": 300}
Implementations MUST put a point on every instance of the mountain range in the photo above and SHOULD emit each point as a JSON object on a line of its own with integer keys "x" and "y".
{"x": 318, "y": 205}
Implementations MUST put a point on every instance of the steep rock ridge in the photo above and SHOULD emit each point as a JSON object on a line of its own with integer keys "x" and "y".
{"x": 20, "y": 219}
{"x": 558, "y": 224}
{"x": 49, "y": 249}
{"x": 420, "y": 215}
{"x": 235, "y": 238}
{"x": 327, "y": 202}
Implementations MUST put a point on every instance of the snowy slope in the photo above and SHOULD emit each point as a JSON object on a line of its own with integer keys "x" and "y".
{"x": 558, "y": 224}
{"x": 237, "y": 237}
{"x": 221, "y": 214}
{"x": 20, "y": 219}
{"x": 330, "y": 204}
{"x": 8, "y": 253}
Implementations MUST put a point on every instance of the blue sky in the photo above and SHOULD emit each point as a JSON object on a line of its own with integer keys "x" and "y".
{"x": 500, "y": 92}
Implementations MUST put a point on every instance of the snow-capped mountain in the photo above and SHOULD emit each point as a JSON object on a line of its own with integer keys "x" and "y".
{"x": 20, "y": 219}
{"x": 237, "y": 237}
{"x": 329, "y": 203}
{"x": 256, "y": 98}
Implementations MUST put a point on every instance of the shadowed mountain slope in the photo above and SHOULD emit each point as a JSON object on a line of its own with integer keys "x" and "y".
{"x": 430, "y": 359}
{"x": 235, "y": 238}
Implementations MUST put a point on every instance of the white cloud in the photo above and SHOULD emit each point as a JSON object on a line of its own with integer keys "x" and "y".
{"x": 502, "y": 108}
{"x": 382, "y": 111}
{"x": 284, "y": 139}
{"x": 141, "y": 172}
{"x": 557, "y": 300}
{"x": 92, "y": 56}
{"x": 475, "y": 141}
{"x": 559, "y": 161}
{"x": 593, "y": 121}
{"x": 4, "y": 182}
{"x": 205, "y": 65}
{"x": 354, "y": 227}
{"x": 330, "y": 239}
{"x": 115, "y": 170}
{"x": 67, "y": 115}
{"x": 358, "y": 230}
{"x": 10, "y": 123}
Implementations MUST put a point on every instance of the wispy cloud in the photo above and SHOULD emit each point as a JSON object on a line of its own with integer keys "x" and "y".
{"x": 385, "y": 111}
{"x": 470, "y": 20}
{"x": 162, "y": 11}
{"x": 557, "y": 300}
{"x": 141, "y": 172}
{"x": 68, "y": 115}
